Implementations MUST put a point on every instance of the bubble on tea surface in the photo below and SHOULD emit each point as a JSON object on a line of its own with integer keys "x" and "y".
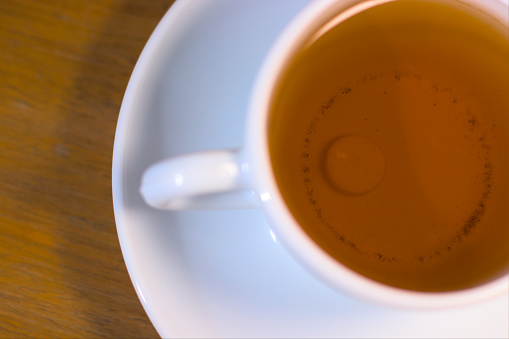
{"x": 355, "y": 164}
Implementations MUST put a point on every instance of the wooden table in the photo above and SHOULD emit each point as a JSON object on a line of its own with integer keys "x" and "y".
{"x": 64, "y": 67}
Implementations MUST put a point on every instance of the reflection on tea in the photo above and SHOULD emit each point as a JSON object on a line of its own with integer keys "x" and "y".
{"x": 389, "y": 138}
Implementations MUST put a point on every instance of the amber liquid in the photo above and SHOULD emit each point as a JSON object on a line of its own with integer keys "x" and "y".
{"x": 429, "y": 84}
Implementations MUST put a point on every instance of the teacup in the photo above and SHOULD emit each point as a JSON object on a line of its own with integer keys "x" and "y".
{"x": 376, "y": 145}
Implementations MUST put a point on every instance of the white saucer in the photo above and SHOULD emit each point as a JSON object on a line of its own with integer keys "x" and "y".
{"x": 221, "y": 274}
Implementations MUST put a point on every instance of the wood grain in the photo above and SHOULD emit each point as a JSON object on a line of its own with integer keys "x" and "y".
{"x": 64, "y": 67}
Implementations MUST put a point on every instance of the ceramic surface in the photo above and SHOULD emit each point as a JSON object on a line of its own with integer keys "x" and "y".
{"x": 223, "y": 273}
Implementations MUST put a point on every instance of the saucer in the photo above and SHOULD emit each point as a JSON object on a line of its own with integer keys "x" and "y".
{"x": 223, "y": 273}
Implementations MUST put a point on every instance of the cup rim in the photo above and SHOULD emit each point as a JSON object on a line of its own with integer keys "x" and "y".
{"x": 285, "y": 227}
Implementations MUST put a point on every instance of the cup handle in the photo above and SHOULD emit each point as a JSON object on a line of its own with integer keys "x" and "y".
{"x": 204, "y": 180}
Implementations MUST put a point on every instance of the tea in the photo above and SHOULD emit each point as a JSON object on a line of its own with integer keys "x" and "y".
{"x": 389, "y": 141}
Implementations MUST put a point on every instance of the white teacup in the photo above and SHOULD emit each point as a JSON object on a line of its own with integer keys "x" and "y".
{"x": 245, "y": 178}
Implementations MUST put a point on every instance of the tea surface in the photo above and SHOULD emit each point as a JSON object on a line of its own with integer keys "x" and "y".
{"x": 389, "y": 137}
